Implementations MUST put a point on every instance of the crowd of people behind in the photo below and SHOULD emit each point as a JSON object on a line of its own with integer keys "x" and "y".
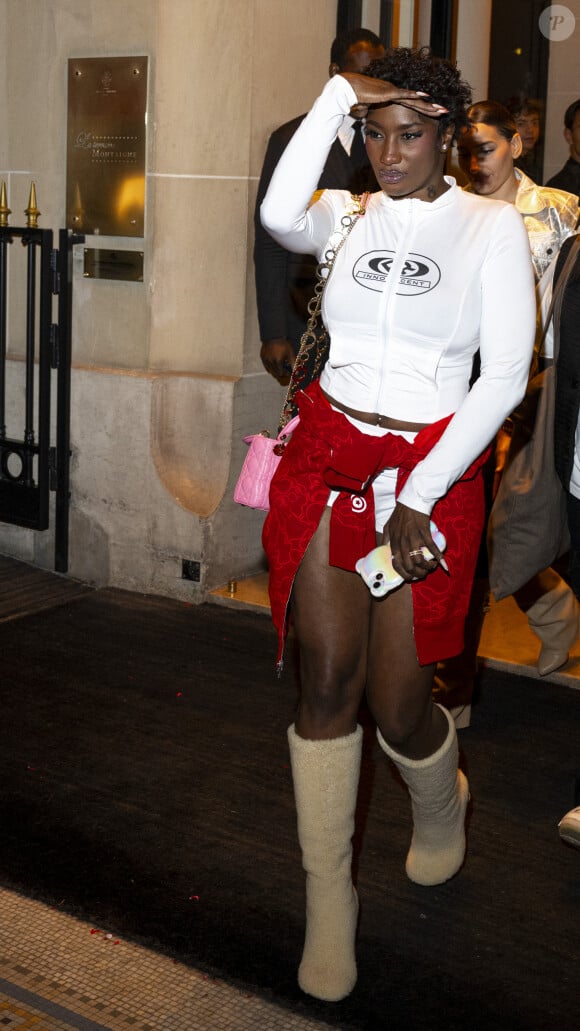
{"x": 434, "y": 305}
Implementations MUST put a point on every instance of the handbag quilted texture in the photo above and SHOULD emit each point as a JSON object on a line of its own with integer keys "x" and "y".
{"x": 260, "y": 464}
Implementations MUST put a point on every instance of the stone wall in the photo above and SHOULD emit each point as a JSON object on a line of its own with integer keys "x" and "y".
{"x": 166, "y": 374}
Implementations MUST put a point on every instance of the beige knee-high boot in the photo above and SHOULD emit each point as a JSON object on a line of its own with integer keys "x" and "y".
{"x": 439, "y": 795}
{"x": 554, "y": 618}
{"x": 326, "y": 775}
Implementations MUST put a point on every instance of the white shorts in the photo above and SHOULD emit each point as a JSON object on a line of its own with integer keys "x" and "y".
{"x": 385, "y": 484}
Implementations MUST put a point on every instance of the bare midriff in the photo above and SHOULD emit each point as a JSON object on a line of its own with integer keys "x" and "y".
{"x": 375, "y": 418}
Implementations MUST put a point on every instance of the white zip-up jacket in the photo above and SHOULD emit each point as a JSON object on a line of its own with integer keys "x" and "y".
{"x": 416, "y": 289}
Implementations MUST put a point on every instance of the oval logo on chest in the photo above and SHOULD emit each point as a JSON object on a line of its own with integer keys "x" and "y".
{"x": 419, "y": 274}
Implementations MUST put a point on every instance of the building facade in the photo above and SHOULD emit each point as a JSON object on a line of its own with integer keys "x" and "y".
{"x": 166, "y": 376}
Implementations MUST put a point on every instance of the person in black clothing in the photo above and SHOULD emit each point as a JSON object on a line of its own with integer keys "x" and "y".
{"x": 567, "y": 411}
{"x": 284, "y": 281}
{"x": 568, "y": 178}
{"x": 567, "y": 451}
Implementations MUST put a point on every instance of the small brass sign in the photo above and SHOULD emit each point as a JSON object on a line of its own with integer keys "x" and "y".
{"x": 105, "y": 264}
{"x": 106, "y": 137}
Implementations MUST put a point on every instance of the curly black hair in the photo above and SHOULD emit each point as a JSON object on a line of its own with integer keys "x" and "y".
{"x": 421, "y": 70}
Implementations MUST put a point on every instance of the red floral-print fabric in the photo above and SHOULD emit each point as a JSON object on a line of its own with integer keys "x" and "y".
{"x": 326, "y": 452}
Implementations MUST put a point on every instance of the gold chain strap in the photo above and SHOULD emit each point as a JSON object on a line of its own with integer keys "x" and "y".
{"x": 314, "y": 343}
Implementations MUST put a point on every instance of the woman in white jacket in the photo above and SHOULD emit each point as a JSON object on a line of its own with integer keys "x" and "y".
{"x": 391, "y": 436}
{"x": 487, "y": 152}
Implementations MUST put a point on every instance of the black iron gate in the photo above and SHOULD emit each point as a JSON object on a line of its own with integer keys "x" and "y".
{"x": 31, "y": 466}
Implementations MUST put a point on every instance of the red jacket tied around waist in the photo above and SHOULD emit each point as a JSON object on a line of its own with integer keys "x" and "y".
{"x": 326, "y": 452}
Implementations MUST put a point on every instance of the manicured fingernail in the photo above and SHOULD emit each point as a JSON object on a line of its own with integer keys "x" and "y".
{"x": 440, "y": 107}
{"x": 419, "y": 93}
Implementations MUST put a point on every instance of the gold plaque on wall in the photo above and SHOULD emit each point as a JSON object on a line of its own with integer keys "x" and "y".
{"x": 102, "y": 263}
{"x": 106, "y": 136}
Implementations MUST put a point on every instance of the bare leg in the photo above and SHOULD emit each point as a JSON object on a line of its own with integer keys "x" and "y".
{"x": 398, "y": 688}
{"x": 456, "y": 678}
{"x": 347, "y": 640}
{"x": 331, "y": 610}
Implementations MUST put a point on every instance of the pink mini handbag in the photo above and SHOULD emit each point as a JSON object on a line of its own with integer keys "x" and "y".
{"x": 260, "y": 464}
{"x": 263, "y": 458}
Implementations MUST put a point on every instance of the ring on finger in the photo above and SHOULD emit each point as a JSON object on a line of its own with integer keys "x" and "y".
{"x": 417, "y": 551}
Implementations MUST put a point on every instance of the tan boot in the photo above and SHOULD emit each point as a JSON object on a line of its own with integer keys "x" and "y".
{"x": 439, "y": 795}
{"x": 554, "y": 617}
{"x": 326, "y": 775}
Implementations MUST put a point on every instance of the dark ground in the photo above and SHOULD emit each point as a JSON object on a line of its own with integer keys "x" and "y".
{"x": 146, "y": 788}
